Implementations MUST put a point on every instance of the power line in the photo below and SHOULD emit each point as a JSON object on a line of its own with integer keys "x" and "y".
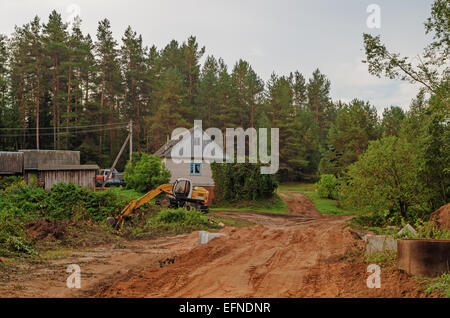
{"x": 68, "y": 133}
{"x": 65, "y": 127}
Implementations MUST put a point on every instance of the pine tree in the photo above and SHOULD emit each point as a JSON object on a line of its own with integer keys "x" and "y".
{"x": 133, "y": 69}
{"x": 56, "y": 51}
{"x": 109, "y": 66}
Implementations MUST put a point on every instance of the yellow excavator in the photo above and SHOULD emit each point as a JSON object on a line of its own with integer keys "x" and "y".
{"x": 180, "y": 194}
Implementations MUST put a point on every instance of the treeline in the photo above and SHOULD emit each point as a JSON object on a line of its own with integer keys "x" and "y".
{"x": 62, "y": 89}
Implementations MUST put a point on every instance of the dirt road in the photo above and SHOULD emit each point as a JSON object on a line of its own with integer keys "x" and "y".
{"x": 299, "y": 254}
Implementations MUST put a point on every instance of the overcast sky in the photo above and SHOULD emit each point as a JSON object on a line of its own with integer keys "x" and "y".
{"x": 274, "y": 36}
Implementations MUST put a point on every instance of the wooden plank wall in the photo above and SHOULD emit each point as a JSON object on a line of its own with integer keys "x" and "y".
{"x": 11, "y": 162}
{"x": 84, "y": 178}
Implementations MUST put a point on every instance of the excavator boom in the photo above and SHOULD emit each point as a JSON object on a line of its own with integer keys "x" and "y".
{"x": 135, "y": 204}
{"x": 180, "y": 194}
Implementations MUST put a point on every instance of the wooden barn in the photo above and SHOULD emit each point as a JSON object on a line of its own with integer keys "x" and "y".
{"x": 48, "y": 167}
{"x": 11, "y": 163}
{"x": 49, "y": 175}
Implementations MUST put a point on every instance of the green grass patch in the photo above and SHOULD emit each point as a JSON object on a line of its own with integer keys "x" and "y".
{"x": 386, "y": 259}
{"x": 325, "y": 206}
{"x": 440, "y": 284}
{"x": 276, "y": 204}
{"x": 217, "y": 218}
{"x": 126, "y": 194}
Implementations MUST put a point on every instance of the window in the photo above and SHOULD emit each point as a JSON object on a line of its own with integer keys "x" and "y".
{"x": 196, "y": 168}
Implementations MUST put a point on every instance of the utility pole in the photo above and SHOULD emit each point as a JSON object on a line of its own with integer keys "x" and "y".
{"x": 131, "y": 141}
{"x": 115, "y": 161}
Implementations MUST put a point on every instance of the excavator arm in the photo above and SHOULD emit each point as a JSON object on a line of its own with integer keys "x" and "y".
{"x": 135, "y": 204}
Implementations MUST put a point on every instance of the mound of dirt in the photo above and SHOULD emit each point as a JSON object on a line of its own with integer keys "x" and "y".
{"x": 301, "y": 205}
{"x": 45, "y": 229}
{"x": 442, "y": 217}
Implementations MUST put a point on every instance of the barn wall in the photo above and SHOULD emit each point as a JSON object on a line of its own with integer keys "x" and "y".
{"x": 11, "y": 162}
{"x": 84, "y": 178}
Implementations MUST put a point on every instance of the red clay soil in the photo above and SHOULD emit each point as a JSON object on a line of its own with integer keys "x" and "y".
{"x": 299, "y": 254}
{"x": 442, "y": 216}
{"x": 45, "y": 229}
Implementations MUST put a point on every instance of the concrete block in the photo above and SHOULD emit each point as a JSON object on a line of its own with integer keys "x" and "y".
{"x": 380, "y": 244}
{"x": 407, "y": 228}
{"x": 424, "y": 257}
{"x": 204, "y": 237}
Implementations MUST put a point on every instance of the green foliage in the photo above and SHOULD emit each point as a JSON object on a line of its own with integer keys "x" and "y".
{"x": 385, "y": 178}
{"x": 377, "y": 219}
{"x": 7, "y": 181}
{"x": 20, "y": 203}
{"x": 181, "y": 216}
{"x": 440, "y": 284}
{"x": 242, "y": 181}
{"x": 381, "y": 258}
{"x": 430, "y": 230}
{"x": 275, "y": 204}
{"x": 355, "y": 126}
{"x": 146, "y": 173}
{"x": 328, "y": 186}
{"x": 12, "y": 238}
{"x": 167, "y": 222}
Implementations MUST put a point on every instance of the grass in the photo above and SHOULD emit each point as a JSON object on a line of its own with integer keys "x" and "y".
{"x": 273, "y": 205}
{"x": 325, "y": 206}
{"x": 128, "y": 194}
{"x": 166, "y": 223}
{"x": 440, "y": 284}
{"x": 386, "y": 259}
{"x": 230, "y": 221}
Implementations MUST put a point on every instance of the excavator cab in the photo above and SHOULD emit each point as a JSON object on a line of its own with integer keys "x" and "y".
{"x": 182, "y": 188}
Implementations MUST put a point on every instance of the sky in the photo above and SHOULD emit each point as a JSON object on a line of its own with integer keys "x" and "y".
{"x": 279, "y": 36}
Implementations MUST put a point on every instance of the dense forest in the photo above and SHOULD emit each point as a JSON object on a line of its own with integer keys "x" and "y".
{"x": 62, "y": 89}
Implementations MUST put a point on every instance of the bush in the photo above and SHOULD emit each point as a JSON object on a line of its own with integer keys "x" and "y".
{"x": 385, "y": 178}
{"x": 242, "y": 181}
{"x": 8, "y": 181}
{"x": 328, "y": 186}
{"x": 182, "y": 216}
{"x": 146, "y": 173}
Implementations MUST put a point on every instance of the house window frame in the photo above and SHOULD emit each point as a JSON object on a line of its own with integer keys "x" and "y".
{"x": 192, "y": 168}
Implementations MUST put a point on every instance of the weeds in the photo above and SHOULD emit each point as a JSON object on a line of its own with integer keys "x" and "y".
{"x": 439, "y": 284}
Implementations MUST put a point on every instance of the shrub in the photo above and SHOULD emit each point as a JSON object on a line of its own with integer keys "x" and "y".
{"x": 242, "y": 181}
{"x": 385, "y": 178}
{"x": 146, "y": 173}
{"x": 328, "y": 186}
{"x": 182, "y": 216}
{"x": 8, "y": 181}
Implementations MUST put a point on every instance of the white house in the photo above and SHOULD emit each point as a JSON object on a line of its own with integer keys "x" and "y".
{"x": 198, "y": 171}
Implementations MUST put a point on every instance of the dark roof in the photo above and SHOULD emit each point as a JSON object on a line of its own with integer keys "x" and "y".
{"x": 165, "y": 150}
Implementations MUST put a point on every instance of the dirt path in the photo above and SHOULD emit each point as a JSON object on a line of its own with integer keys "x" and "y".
{"x": 299, "y": 254}
{"x": 99, "y": 266}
